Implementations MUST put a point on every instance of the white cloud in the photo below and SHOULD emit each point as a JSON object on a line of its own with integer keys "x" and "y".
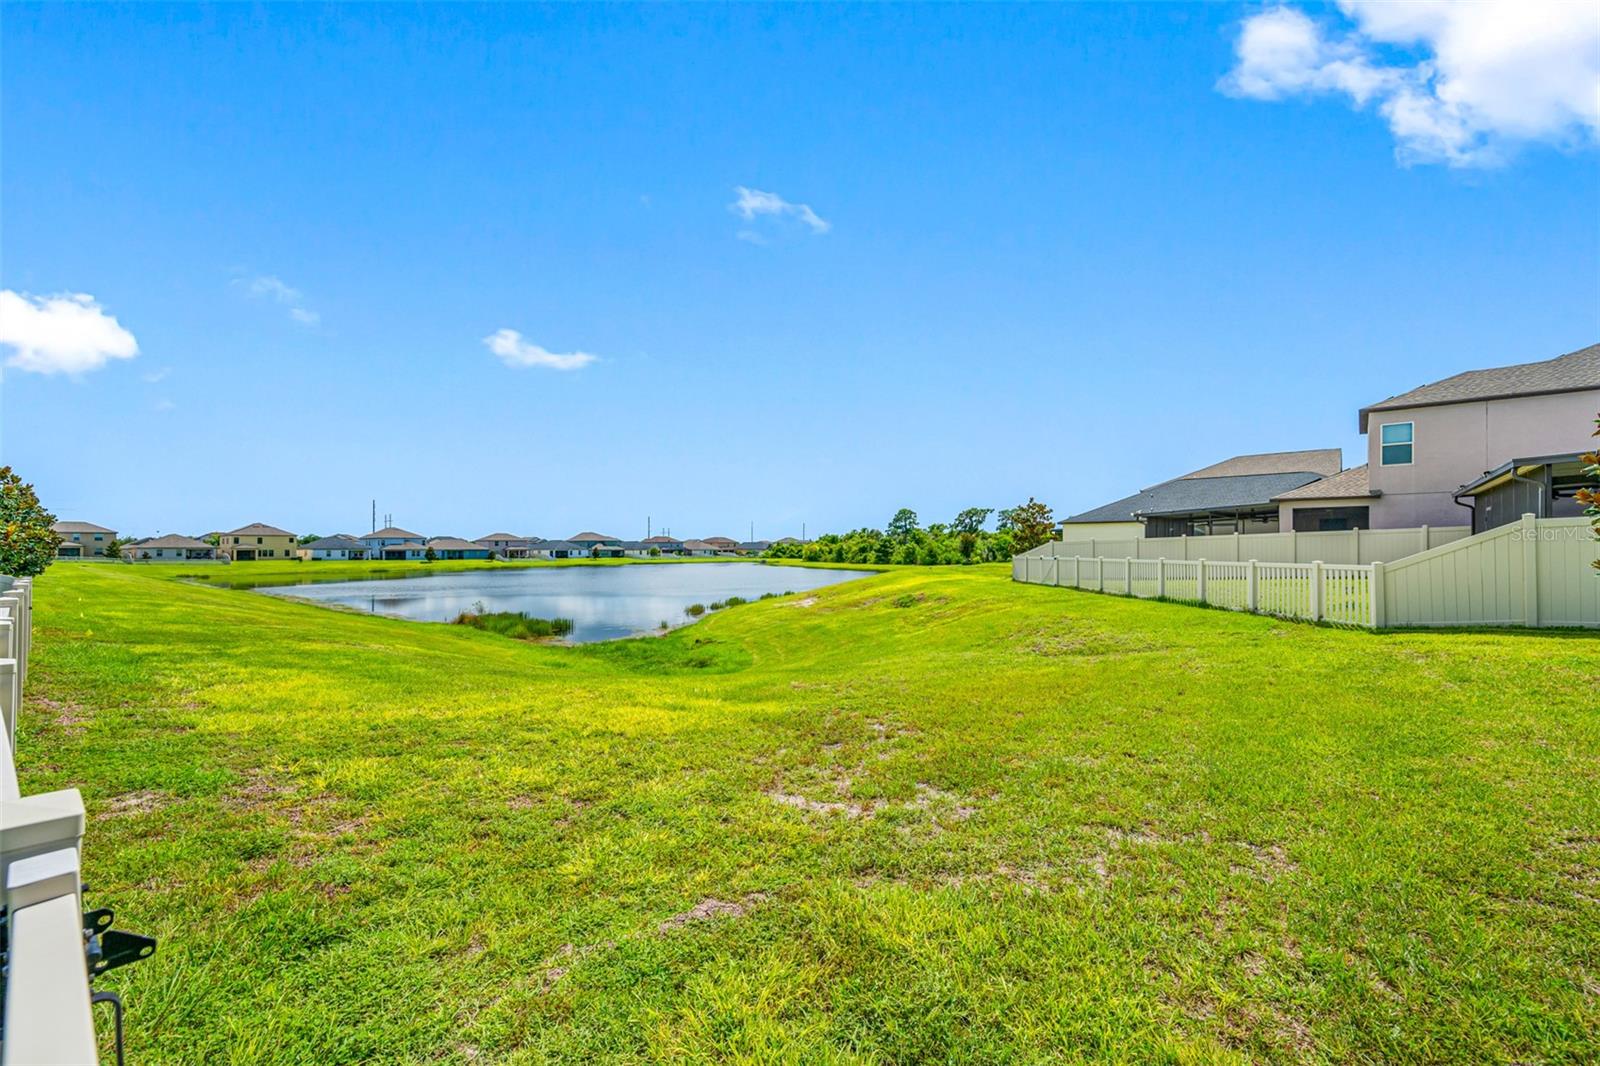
{"x": 1458, "y": 83}
{"x": 155, "y": 376}
{"x": 754, "y": 204}
{"x": 516, "y": 352}
{"x": 270, "y": 287}
{"x": 68, "y": 333}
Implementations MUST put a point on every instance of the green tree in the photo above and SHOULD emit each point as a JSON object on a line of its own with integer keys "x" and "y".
{"x": 309, "y": 537}
{"x": 113, "y": 549}
{"x": 971, "y": 520}
{"x": 27, "y": 543}
{"x": 1590, "y": 497}
{"x": 428, "y": 555}
{"x": 1030, "y": 525}
{"x": 903, "y": 525}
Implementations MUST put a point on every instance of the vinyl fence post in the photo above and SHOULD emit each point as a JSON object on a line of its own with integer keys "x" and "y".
{"x": 1252, "y": 587}
{"x": 1077, "y": 571}
{"x": 1355, "y": 541}
{"x": 1127, "y": 574}
{"x": 1375, "y": 597}
{"x": 1161, "y": 578}
{"x": 1100, "y": 573}
{"x": 1316, "y": 590}
{"x": 1530, "y": 570}
{"x": 1422, "y": 539}
{"x": 1200, "y": 580}
{"x": 9, "y": 690}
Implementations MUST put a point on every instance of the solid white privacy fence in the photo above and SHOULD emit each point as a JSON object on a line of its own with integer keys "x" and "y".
{"x": 46, "y": 972}
{"x": 1536, "y": 572}
{"x": 1316, "y": 592}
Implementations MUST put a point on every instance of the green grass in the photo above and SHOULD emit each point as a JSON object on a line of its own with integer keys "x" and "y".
{"x": 930, "y": 816}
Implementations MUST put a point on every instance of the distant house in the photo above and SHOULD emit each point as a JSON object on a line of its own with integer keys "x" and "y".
{"x": 590, "y": 540}
{"x": 455, "y": 548}
{"x": 171, "y": 548}
{"x": 700, "y": 548}
{"x": 725, "y": 544}
{"x": 256, "y": 541}
{"x": 754, "y": 547}
{"x": 505, "y": 545}
{"x": 1237, "y": 495}
{"x": 339, "y": 547}
{"x": 81, "y": 540}
{"x": 638, "y": 549}
{"x": 555, "y": 549}
{"x": 668, "y": 545}
{"x": 788, "y": 540}
{"x": 379, "y": 540}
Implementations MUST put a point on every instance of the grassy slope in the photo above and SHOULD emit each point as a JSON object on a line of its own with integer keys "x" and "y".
{"x": 1089, "y": 828}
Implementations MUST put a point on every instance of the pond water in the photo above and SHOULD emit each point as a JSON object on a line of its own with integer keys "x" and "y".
{"x": 604, "y": 602}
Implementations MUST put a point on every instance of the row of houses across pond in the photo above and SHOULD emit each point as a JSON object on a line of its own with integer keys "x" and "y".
{"x": 259, "y": 541}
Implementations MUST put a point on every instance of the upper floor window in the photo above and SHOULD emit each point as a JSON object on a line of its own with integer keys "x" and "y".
{"x": 1396, "y": 444}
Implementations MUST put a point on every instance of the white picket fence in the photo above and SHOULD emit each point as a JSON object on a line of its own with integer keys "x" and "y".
{"x": 1338, "y": 593}
{"x": 1534, "y": 572}
{"x": 47, "y": 1017}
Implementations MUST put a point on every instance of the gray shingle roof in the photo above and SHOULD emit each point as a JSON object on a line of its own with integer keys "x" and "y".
{"x": 1566, "y": 373}
{"x": 455, "y": 544}
{"x": 258, "y": 529}
{"x": 1187, "y": 494}
{"x": 1325, "y": 461}
{"x": 338, "y": 543}
{"x": 80, "y": 527}
{"x": 392, "y": 533}
{"x": 1344, "y": 484}
{"x": 172, "y": 540}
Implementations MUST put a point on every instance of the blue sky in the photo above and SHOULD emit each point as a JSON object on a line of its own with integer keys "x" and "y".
{"x": 1051, "y": 251}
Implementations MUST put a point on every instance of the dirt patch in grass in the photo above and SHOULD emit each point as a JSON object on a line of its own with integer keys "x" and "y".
{"x": 803, "y": 803}
{"x": 809, "y": 601}
{"x": 710, "y": 909}
{"x": 141, "y": 802}
{"x": 69, "y": 717}
{"x": 1094, "y": 645}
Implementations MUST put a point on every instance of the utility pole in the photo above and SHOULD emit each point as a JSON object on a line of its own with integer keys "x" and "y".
{"x": 374, "y": 515}
{"x": 646, "y": 527}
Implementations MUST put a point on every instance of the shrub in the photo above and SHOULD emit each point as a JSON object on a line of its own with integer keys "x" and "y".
{"x": 27, "y": 543}
{"x": 518, "y": 625}
{"x": 735, "y": 601}
{"x": 695, "y": 610}
{"x": 719, "y": 605}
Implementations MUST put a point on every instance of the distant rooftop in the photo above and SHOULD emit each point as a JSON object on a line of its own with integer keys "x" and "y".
{"x": 1324, "y": 461}
{"x": 393, "y": 533}
{"x": 80, "y": 527}
{"x": 1343, "y": 485}
{"x": 1233, "y": 484}
{"x": 258, "y": 529}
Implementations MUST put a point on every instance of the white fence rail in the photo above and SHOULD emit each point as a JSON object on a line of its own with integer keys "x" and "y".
{"x": 1536, "y": 572}
{"x": 1318, "y": 592}
{"x": 47, "y": 1017}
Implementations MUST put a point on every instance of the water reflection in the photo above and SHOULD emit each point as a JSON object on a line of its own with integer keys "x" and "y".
{"x": 604, "y": 603}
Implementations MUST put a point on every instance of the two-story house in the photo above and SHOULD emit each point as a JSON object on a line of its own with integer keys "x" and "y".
{"x": 1498, "y": 443}
{"x": 81, "y": 540}
{"x": 257, "y": 541}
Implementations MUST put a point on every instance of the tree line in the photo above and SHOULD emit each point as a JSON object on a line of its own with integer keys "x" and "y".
{"x": 965, "y": 539}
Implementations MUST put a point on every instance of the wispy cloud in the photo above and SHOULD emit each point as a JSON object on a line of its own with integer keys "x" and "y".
{"x": 158, "y": 375}
{"x": 1486, "y": 78}
{"x": 275, "y": 289}
{"x": 164, "y": 406}
{"x": 513, "y": 351}
{"x": 755, "y": 206}
{"x": 68, "y": 333}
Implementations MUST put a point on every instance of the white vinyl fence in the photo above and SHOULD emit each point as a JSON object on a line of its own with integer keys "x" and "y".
{"x": 1536, "y": 572}
{"x": 1341, "y": 546}
{"x": 47, "y": 1016}
{"x": 1317, "y": 592}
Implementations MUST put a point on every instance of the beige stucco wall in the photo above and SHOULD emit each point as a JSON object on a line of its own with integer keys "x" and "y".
{"x": 280, "y": 547}
{"x": 1453, "y": 445}
{"x": 1074, "y": 531}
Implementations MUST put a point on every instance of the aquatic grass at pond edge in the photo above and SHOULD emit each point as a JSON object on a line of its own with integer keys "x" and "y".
{"x": 518, "y": 625}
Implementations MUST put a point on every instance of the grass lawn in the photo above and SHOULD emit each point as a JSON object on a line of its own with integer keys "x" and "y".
{"x": 929, "y": 816}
